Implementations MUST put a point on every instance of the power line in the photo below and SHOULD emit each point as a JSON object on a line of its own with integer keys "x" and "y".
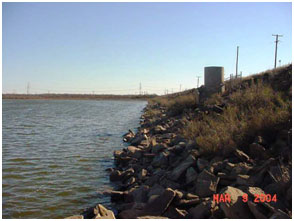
{"x": 198, "y": 81}
{"x": 28, "y": 88}
{"x": 276, "y": 51}
{"x": 237, "y": 61}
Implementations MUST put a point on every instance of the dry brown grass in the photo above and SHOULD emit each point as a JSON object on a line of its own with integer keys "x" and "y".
{"x": 254, "y": 111}
{"x": 176, "y": 105}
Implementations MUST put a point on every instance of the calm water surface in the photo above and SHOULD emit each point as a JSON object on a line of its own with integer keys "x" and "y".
{"x": 55, "y": 152}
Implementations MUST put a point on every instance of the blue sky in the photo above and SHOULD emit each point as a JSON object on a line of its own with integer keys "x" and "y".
{"x": 112, "y": 47}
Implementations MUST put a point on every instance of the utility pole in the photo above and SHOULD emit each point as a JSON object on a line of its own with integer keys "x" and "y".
{"x": 140, "y": 88}
{"x": 28, "y": 88}
{"x": 237, "y": 61}
{"x": 276, "y": 51}
{"x": 198, "y": 81}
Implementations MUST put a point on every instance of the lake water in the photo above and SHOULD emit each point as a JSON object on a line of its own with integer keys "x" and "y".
{"x": 55, "y": 152}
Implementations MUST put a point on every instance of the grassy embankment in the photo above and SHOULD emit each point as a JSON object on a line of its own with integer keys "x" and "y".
{"x": 260, "y": 109}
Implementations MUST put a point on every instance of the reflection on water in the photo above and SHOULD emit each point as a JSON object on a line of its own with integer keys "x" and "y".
{"x": 54, "y": 153}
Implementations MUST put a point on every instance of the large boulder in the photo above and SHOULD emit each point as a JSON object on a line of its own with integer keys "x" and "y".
{"x": 158, "y": 206}
{"x": 118, "y": 153}
{"x": 257, "y": 151}
{"x": 206, "y": 184}
{"x": 202, "y": 164}
{"x": 202, "y": 211}
{"x": 98, "y": 212}
{"x": 161, "y": 160}
{"x": 244, "y": 180}
{"x": 115, "y": 175}
{"x": 157, "y": 148}
{"x": 191, "y": 175}
{"x": 116, "y": 195}
{"x": 102, "y": 213}
{"x": 256, "y": 210}
{"x": 156, "y": 190}
{"x": 130, "y": 214}
{"x": 134, "y": 151}
{"x": 137, "y": 139}
{"x": 182, "y": 167}
{"x": 138, "y": 194}
{"x": 241, "y": 168}
{"x": 235, "y": 208}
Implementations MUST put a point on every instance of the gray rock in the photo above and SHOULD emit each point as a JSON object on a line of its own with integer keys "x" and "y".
{"x": 161, "y": 160}
{"x": 152, "y": 198}
{"x": 257, "y": 151}
{"x": 134, "y": 152}
{"x": 130, "y": 214}
{"x": 202, "y": 164}
{"x": 182, "y": 167}
{"x": 102, "y": 213}
{"x": 137, "y": 140}
{"x": 202, "y": 211}
{"x": 191, "y": 175}
{"x": 186, "y": 203}
{"x": 159, "y": 129}
{"x": 157, "y": 148}
{"x": 156, "y": 190}
{"x": 175, "y": 213}
{"x": 142, "y": 174}
{"x": 115, "y": 175}
{"x": 158, "y": 206}
{"x": 279, "y": 214}
{"x": 117, "y": 153}
{"x": 139, "y": 195}
{"x": 244, "y": 180}
{"x": 241, "y": 168}
{"x": 206, "y": 184}
{"x": 117, "y": 195}
{"x": 236, "y": 208}
{"x": 256, "y": 211}
{"x": 241, "y": 155}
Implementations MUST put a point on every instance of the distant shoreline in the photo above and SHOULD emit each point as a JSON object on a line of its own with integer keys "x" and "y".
{"x": 74, "y": 97}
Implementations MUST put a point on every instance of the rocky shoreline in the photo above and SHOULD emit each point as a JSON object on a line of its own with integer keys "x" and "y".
{"x": 161, "y": 175}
